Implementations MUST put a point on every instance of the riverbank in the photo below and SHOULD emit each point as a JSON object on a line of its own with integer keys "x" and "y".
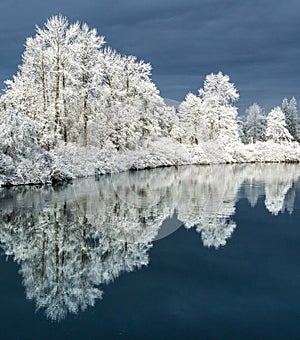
{"x": 70, "y": 161}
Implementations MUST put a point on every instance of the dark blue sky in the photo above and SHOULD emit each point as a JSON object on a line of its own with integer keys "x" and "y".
{"x": 256, "y": 42}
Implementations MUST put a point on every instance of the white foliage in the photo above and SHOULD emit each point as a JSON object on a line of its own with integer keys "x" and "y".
{"x": 255, "y": 126}
{"x": 191, "y": 120}
{"x": 218, "y": 96}
{"x": 22, "y": 161}
{"x": 276, "y": 127}
{"x": 290, "y": 112}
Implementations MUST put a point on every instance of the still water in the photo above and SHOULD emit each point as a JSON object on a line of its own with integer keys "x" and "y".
{"x": 208, "y": 252}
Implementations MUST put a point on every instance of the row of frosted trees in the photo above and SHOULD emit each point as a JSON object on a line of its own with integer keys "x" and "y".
{"x": 76, "y": 91}
{"x": 254, "y": 126}
{"x": 211, "y": 115}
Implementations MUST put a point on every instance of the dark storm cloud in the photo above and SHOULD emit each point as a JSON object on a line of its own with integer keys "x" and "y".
{"x": 256, "y": 42}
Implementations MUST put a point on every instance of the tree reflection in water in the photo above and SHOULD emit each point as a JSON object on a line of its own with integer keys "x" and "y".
{"x": 72, "y": 240}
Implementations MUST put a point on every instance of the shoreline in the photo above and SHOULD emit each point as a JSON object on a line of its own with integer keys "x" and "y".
{"x": 71, "y": 161}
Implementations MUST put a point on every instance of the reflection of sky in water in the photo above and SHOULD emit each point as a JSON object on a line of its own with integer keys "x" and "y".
{"x": 73, "y": 240}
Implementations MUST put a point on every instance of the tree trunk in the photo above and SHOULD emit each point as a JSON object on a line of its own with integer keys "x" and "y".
{"x": 65, "y": 131}
{"x": 57, "y": 94}
{"x": 211, "y": 133}
{"x": 43, "y": 76}
{"x": 85, "y": 113}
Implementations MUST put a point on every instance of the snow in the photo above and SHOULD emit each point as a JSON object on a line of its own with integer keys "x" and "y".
{"x": 161, "y": 152}
{"x": 22, "y": 161}
{"x": 72, "y": 161}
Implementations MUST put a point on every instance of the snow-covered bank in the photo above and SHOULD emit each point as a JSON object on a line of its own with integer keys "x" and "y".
{"x": 35, "y": 170}
{"x": 166, "y": 152}
{"x": 22, "y": 160}
{"x": 268, "y": 152}
{"x": 71, "y": 161}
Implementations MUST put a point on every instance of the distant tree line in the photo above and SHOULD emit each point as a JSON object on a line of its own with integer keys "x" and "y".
{"x": 257, "y": 126}
{"x": 211, "y": 116}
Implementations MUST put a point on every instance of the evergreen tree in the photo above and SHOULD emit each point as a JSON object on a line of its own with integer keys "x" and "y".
{"x": 290, "y": 111}
{"x": 276, "y": 127}
{"x": 293, "y": 120}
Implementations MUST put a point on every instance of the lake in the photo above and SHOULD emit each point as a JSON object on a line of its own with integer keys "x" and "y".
{"x": 207, "y": 252}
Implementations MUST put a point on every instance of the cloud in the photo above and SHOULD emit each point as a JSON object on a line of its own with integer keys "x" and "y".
{"x": 256, "y": 42}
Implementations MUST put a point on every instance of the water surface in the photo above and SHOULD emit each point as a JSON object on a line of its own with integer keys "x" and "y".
{"x": 209, "y": 252}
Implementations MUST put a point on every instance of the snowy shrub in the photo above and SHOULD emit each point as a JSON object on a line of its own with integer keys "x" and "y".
{"x": 22, "y": 161}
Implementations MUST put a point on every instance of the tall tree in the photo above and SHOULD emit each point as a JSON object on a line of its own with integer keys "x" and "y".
{"x": 55, "y": 86}
{"x": 131, "y": 102}
{"x": 88, "y": 70}
{"x": 217, "y": 97}
{"x": 190, "y": 118}
{"x": 289, "y": 109}
{"x": 255, "y": 127}
{"x": 56, "y": 38}
{"x": 276, "y": 127}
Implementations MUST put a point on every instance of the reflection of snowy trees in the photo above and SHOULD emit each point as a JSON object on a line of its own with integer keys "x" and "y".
{"x": 208, "y": 200}
{"x": 278, "y": 181}
{"x": 280, "y": 190}
{"x": 68, "y": 248}
{"x": 72, "y": 240}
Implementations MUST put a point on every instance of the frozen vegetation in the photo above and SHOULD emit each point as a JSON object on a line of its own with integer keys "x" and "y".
{"x": 76, "y": 108}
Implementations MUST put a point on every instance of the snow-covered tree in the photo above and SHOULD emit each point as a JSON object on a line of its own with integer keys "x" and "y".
{"x": 212, "y": 114}
{"x": 56, "y": 38}
{"x": 217, "y": 97}
{"x": 88, "y": 73}
{"x": 290, "y": 111}
{"x": 21, "y": 158}
{"x": 241, "y": 123}
{"x": 276, "y": 127}
{"x": 55, "y": 85}
{"x": 38, "y": 88}
{"x": 131, "y": 102}
{"x": 76, "y": 92}
{"x": 191, "y": 120}
{"x": 255, "y": 126}
{"x": 17, "y": 134}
